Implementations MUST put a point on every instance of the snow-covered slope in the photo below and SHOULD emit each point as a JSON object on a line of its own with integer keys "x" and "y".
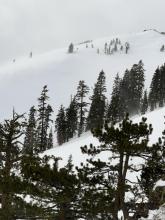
{"x": 156, "y": 118}
{"x": 22, "y": 81}
{"x": 156, "y": 214}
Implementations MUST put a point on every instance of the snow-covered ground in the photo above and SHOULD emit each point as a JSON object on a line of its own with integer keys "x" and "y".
{"x": 156, "y": 214}
{"x": 156, "y": 118}
{"x": 21, "y": 81}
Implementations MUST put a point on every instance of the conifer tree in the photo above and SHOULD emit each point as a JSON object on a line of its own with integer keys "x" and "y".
{"x": 44, "y": 114}
{"x": 30, "y": 133}
{"x": 48, "y": 115}
{"x": 161, "y": 97}
{"x": 127, "y": 47}
{"x": 50, "y": 139}
{"x": 125, "y": 90}
{"x": 11, "y": 185}
{"x": 154, "y": 170}
{"x": 57, "y": 188}
{"x": 82, "y": 91}
{"x": 72, "y": 119}
{"x": 109, "y": 50}
{"x": 97, "y": 193}
{"x": 154, "y": 90}
{"x": 132, "y": 88}
{"x": 162, "y": 48}
{"x": 123, "y": 143}
{"x": 116, "y": 108}
{"x": 71, "y": 48}
{"x": 115, "y": 47}
{"x": 105, "y": 48}
{"x": 157, "y": 89}
{"x": 96, "y": 114}
{"x": 144, "y": 104}
{"x": 137, "y": 85}
{"x": 60, "y": 126}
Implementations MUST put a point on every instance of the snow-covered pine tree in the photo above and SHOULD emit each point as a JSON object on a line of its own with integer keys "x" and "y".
{"x": 82, "y": 91}
{"x": 96, "y": 114}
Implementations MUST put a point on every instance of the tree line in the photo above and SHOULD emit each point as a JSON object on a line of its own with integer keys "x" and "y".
{"x": 85, "y": 113}
{"x": 112, "y": 47}
{"x": 35, "y": 187}
{"x": 128, "y": 96}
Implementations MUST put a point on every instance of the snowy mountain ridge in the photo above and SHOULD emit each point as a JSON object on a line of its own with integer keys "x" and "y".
{"x": 62, "y": 71}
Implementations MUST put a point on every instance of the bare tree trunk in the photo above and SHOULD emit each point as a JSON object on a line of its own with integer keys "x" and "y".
{"x": 120, "y": 192}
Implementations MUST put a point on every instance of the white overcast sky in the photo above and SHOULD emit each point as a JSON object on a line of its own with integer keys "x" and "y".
{"x": 42, "y": 25}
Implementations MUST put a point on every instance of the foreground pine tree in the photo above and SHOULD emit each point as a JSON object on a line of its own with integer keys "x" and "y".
{"x": 54, "y": 190}
{"x": 122, "y": 144}
{"x": 154, "y": 170}
{"x": 11, "y": 185}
